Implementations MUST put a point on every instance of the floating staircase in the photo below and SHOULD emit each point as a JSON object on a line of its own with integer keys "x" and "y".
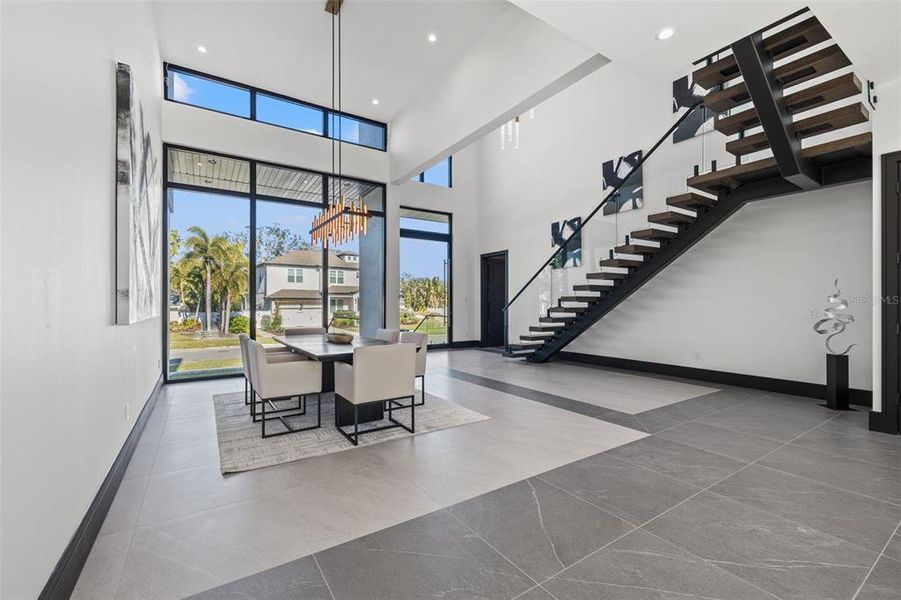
{"x": 757, "y": 94}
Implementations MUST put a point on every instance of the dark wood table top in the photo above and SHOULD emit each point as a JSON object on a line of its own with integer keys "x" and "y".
{"x": 318, "y": 347}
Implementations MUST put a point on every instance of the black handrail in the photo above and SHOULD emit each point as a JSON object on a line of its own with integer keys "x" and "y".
{"x": 418, "y": 325}
{"x": 613, "y": 192}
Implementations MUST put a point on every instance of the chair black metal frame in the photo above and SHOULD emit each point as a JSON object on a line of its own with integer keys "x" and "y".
{"x": 390, "y": 403}
{"x": 288, "y": 427}
{"x": 422, "y": 377}
{"x": 301, "y": 405}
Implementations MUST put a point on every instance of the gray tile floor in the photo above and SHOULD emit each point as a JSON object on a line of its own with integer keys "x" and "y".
{"x": 735, "y": 494}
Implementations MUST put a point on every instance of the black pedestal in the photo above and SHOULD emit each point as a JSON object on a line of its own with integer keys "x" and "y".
{"x": 837, "y": 394}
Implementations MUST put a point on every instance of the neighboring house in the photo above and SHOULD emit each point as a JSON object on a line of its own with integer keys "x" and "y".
{"x": 292, "y": 284}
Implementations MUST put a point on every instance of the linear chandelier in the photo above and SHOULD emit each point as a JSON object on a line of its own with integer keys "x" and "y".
{"x": 343, "y": 219}
{"x": 510, "y": 131}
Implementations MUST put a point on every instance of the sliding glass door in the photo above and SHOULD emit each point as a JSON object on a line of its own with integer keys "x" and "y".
{"x": 240, "y": 259}
{"x": 425, "y": 273}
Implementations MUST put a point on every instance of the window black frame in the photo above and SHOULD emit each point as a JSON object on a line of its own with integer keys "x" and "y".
{"x": 326, "y": 111}
{"x": 434, "y": 236}
{"x": 450, "y": 178}
{"x": 252, "y": 198}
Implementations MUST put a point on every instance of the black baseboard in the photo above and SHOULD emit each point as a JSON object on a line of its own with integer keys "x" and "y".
{"x": 466, "y": 344}
{"x": 64, "y": 576}
{"x": 770, "y": 384}
{"x": 883, "y": 422}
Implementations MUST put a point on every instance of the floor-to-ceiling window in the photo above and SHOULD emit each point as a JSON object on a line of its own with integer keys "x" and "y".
{"x": 425, "y": 273}
{"x": 240, "y": 259}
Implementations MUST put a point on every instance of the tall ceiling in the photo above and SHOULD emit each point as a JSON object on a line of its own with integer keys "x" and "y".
{"x": 625, "y": 31}
{"x": 284, "y": 46}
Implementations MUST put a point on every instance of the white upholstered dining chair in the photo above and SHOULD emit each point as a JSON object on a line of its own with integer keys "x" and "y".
{"x": 379, "y": 374}
{"x": 272, "y": 378}
{"x": 387, "y": 335}
{"x": 421, "y": 341}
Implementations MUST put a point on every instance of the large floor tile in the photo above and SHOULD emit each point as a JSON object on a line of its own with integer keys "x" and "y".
{"x": 536, "y": 593}
{"x": 740, "y": 446}
{"x": 100, "y": 574}
{"x": 628, "y": 491}
{"x": 434, "y": 556}
{"x": 863, "y": 521}
{"x": 893, "y": 548}
{"x": 641, "y": 565}
{"x": 123, "y": 512}
{"x": 540, "y": 528}
{"x": 665, "y": 417}
{"x": 187, "y": 491}
{"x": 853, "y": 475}
{"x": 884, "y": 583}
{"x": 691, "y": 465}
{"x": 185, "y": 453}
{"x": 883, "y": 450}
{"x": 776, "y": 418}
{"x": 299, "y": 579}
{"x": 773, "y": 553}
{"x": 188, "y": 427}
{"x": 141, "y": 463}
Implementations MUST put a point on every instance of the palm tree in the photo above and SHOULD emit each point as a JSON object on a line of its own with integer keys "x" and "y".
{"x": 200, "y": 247}
{"x": 230, "y": 277}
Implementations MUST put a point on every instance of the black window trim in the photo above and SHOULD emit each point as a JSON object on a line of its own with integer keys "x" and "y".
{"x": 254, "y": 91}
{"x": 253, "y": 198}
{"x": 450, "y": 173}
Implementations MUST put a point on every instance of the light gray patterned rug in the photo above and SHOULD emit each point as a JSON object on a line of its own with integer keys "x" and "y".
{"x": 242, "y": 448}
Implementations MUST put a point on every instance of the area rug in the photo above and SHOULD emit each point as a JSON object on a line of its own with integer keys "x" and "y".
{"x": 241, "y": 447}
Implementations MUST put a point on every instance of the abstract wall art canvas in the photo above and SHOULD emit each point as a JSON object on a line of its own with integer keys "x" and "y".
{"x": 138, "y": 208}
{"x": 686, "y": 93}
{"x": 630, "y": 195}
{"x": 572, "y": 255}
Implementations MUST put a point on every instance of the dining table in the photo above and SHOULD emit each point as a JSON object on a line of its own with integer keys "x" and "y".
{"x": 318, "y": 347}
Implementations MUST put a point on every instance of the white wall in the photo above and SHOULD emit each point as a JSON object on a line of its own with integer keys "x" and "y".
{"x": 517, "y": 62}
{"x": 739, "y": 301}
{"x": 67, "y": 372}
{"x": 459, "y": 200}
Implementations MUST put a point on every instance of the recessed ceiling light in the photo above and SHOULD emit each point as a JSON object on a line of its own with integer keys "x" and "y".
{"x": 375, "y": 101}
{"x": 201, "y": 49}
{"x": 432, "y": 38}
{"x": 665, "y": 33}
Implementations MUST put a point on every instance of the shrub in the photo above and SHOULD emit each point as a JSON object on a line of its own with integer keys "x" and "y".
{"x": 344, "y": 319}
{"x": 239, "y": 324}
{"x": 272, "y": 324}
{"x": 408, "y": 317}
{"x": 185, "y": 325}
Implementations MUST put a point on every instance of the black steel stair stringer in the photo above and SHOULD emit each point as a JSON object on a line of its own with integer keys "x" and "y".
{"x": 727, "y": 205}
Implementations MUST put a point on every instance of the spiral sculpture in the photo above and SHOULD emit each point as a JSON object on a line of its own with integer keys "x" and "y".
{"x": 836, "y": 320}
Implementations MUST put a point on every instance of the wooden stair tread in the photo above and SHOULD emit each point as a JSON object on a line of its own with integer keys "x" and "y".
{"x": 798, "y": 71}
{"x": 636, "y": 249}
{"x": 832, "y": 120}
{"x": 781, "y": 44}
{"x": 591, "y": 288}
{"x": 587, "y": 299}
{"x": 623, "y": 263}
{"x": 607, "y": 275}
{"x": 855, "y": 146}
{"x": 653, "y": 234}
{"x": 536, "y": 338}
{"x": 556, "y": 319}
{"x": 545, "y": 328}
{"x": 691, "y": 200}
{"x": 670, "y": 217}
{"x": 576, "y": 310}
{"x": 821, "y": 94}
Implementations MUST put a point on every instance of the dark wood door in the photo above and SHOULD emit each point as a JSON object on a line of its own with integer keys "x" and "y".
{"x": 494, "y": 297}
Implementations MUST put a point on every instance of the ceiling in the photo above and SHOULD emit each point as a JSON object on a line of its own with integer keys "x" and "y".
{"x": 625, "y": 31}
{"x": 285, "y": 46}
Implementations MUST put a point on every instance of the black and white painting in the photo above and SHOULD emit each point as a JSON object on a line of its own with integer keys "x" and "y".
{"x": 138, "y": 208}
{"x": 572, "y": 255}
{"x": 685, "y": 94}
{"x": 630, "y": 195}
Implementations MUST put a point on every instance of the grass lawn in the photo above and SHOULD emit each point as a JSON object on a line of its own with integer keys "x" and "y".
{"x": 187, "y": 341}
{"x": 212, "y": 363}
